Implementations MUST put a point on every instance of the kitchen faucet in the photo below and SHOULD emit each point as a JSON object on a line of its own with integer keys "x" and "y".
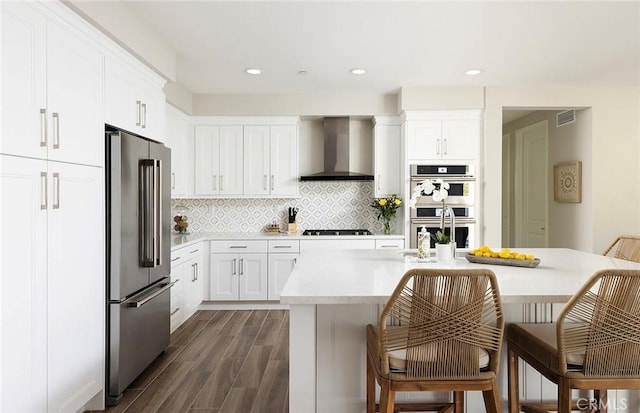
{"x": 452, "y": 233}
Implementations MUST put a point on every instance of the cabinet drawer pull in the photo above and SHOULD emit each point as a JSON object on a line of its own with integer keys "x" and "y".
{"x": 282, "y": 246}
{"x": 196, "y": 250}
{"x": 388, "y": 246}
{"x": 44, "y": 191}
{"x": 138, "y": 112}
{"x": 56, "y": 130}
{"x": 175, "y": 311}
{"x": 238, "y": 246}
{"x": 56, "y": 189}
{"x": 175, "y": 259}
{"x": 143, "y": 119}
{"x": 43, "y": 127}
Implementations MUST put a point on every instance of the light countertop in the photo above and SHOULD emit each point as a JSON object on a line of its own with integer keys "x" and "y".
{"x": 370, "y": 276}
{"x": 182, "y": 240}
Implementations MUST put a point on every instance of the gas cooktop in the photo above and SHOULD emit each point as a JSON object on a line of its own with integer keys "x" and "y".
{"x": 320, "y": 232}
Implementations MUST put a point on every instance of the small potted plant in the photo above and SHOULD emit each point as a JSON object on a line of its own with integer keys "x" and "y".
{"x": 443, "y": 246}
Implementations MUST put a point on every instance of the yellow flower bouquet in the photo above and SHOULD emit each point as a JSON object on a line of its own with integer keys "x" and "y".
{"x": 386, "y": 209}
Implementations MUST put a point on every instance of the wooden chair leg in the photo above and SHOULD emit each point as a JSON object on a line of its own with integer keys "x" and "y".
{"x": 371, "y": 388}
{"x": 492, "y": 399}
{"x": 601, "y": 400}
{"x": 564, "y": 396}
{"x": 387, "y": 398}
{"x": 513, "y": 385}
{"x": 458, "y": 402}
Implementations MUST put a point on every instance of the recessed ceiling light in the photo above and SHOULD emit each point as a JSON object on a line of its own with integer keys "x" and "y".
{"x": 473, "y": 72}
{"x": 302, "y": 72}
{"x": 253, "y": 71}
{"x": 358, "y": 71}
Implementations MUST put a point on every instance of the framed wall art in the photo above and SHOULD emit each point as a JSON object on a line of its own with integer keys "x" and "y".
{"x": 567, "y": 182}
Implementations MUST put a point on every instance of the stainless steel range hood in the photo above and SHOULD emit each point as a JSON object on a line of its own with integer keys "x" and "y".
{"x": 336, "y": 154}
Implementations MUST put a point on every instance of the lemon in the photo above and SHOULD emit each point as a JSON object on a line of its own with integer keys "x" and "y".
{"x": 530, "y": 257}
{"x": 486, "y": 254}
{"x": 478, "y": 253}
{"x": 484, "y": 248}
{"x": 521, "y": 257}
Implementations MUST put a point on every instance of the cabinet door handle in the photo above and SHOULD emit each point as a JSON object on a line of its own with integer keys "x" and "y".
{"x": 214, "y": 182}
{"x": 44, "y": 199}
{"x": 56, "y": 190}
{"x": 264, "y": 182}
{"x": 138, "y": 112}
{"x": 221, "y": 182}
{"x": 144, "y": 115}
{"x": 444, "y": 141}
{"x": 438, "y": 146}
{"x": 43, "y": 127}
{"x": 234, "y": 267}
{"x": 379, "y": 183}
{"x": 197, "y": 275}
{"x": 193, "y": 273}
{"x": 241, "y": 266}
{"x": 56, "y": 130}
{"x": 272, "y": 182}
{"x": 175, "y": 311}
{"x": 173, "y": 180}
{"x": 295, "y": 261}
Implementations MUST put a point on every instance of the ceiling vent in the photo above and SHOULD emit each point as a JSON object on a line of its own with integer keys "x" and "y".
{"x": 566, "y": 117}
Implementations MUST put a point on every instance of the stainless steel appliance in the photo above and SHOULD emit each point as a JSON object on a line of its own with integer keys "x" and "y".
{"x": 461, "y": 179}
{"x": 138, "y": 256}
{"x": 322, "y": 232}
{"x": 465, "y": 229}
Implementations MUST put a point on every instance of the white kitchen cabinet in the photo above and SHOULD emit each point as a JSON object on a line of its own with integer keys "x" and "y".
{"x": 134, "y": 100}
{"x": 238, "y": 270}
{"x": 52, "y": 88}
{"x": 179, "y": 139}
{"x": 218, "y": 160}
{"x": 283, "y": 256}
{"x": 387, "y": 161}
{"x": 389, "y": 244}
{"x": 52, "y": 285}
{"x": 187, "y": 265}
{"x": 271, "y": 160}
{"x": 443, "y": 135}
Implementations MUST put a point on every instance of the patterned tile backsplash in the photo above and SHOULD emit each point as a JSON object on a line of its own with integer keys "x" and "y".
{"x": 322, "y": 205}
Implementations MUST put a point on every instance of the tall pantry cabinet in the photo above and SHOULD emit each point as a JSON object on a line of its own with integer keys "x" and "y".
{"x": 52, "y": 211}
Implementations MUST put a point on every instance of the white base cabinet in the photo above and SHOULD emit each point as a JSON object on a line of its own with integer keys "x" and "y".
{"x": 238, "y": 270}
{"x": 187, "y": 269}
{"x": 283, "y": 256}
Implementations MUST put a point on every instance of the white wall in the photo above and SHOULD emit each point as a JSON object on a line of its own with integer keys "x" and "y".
{"x": 615, "y": 150}
{"x": 117, "y": 21}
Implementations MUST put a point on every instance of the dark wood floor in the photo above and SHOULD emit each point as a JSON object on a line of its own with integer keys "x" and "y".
{"x": 218, "y": 362}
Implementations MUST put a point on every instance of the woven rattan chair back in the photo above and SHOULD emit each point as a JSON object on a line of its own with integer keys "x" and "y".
{"x": 626, "y": 247}
{"x": 442, "y": 317}
{"x": 602, "y": 321}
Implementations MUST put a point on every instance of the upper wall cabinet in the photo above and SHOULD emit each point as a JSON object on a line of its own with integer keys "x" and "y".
{"x": 270, "y": 160}
{"x": 387, "y": 145}
{"x": 135, "y": 100}
{"x": 218, "y": 160}
{"x": 244, "y": 157}
{"x": 442, "y": 135}
{"x": 179, "y": 138}
{"x": 51, "y": 88}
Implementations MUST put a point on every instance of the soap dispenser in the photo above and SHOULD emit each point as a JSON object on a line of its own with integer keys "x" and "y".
{"x": 423, "y": 244}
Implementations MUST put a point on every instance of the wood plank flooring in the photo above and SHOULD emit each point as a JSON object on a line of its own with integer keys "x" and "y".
{"x": 218, "y": 362}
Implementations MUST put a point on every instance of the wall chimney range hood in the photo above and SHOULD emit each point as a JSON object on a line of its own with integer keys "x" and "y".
{"x": 336, "y": 154}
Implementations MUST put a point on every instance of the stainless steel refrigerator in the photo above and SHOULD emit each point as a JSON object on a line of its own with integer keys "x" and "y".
{"x": 138, "y": 254}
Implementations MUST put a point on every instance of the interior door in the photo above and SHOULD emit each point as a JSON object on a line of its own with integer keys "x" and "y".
{"x": 532, "y": 202}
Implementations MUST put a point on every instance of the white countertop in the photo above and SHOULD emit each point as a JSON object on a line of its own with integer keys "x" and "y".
{"x": 182, "y": 240}
{"x": 370, "y": 276}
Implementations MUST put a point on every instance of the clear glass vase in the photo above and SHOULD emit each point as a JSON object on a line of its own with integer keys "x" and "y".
{"x": 387, "y": 226}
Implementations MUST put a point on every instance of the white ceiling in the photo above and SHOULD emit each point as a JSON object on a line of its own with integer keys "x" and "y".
{"x": 400, "y": 44}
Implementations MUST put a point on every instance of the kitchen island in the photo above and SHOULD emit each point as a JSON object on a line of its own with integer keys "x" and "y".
{"x": 334, "y": 294}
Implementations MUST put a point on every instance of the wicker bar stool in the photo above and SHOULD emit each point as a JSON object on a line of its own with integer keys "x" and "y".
{"x": 441, "y": 331}
{"x": 595, "y": 344}
{"x": 625, "y": 247}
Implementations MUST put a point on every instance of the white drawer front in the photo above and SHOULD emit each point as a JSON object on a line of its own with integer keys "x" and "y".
{"x": 180, "y": 255}
{"x": 284, "y": 246}
{"x": 238, "y": 247}
{"x": 336, "y": 244}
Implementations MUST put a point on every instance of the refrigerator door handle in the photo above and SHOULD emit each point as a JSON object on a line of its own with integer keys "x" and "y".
{"x": 157, "y": 211}
{"x": 147, "y": 213}
{"x": 143, "y": 301}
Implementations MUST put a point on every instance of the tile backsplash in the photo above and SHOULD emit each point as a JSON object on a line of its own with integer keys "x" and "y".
{"x": 322, "y": 205}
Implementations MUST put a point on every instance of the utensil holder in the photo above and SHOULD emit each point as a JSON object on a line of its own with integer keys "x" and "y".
{"x": 292, "y": 228}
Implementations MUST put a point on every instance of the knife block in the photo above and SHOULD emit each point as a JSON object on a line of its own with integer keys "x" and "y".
{"x": 292, "y": 228}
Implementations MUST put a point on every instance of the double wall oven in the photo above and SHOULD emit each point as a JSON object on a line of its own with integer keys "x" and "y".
{"x": 428, "y": 213}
